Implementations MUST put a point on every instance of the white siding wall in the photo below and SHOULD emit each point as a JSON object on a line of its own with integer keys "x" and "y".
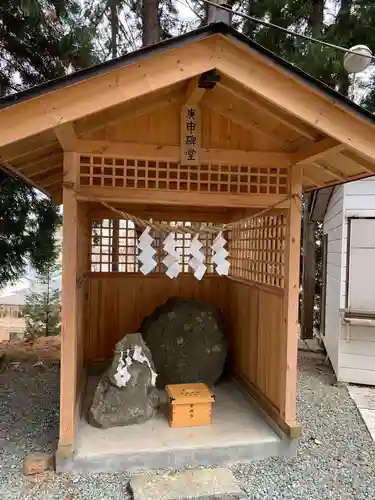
{"x": 333, "y": 227}
{"x": 357, "y": 344}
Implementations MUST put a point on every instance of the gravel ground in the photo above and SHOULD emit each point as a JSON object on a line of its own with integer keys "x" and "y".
{"x": 336, "y": 458}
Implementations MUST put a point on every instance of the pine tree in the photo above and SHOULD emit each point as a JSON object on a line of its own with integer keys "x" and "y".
{"x": 28, "y": 223}
{"x": 39, "y": 40}
{"x": 42, "y": 306}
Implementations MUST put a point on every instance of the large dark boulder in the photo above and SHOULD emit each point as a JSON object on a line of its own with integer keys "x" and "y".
{"x": 187, "y": 341}
{"x": 126, "y": 392}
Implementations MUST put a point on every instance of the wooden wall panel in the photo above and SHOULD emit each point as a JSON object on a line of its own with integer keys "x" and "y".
{"x": 256, "y": 326}
{"x": 117, "y": 304}
{"x": 217, "y": 131}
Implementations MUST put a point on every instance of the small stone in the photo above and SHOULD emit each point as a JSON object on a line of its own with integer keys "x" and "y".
{"x": 39, "y": 364}
{"x": 133, "y": 402}
{"x": 37, "y": 463}
{"x": 316, "y": 441}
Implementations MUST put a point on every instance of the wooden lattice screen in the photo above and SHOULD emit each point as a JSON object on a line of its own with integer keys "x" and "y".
{"x": 107, "y": 235}
{"x": 103, "y": 171}
{"x": 257, "y": 249}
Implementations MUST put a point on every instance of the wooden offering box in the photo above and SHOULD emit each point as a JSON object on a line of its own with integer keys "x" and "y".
{"x": 190, "y": 405}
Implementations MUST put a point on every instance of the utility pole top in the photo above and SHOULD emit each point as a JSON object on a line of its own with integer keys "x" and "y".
{"x": 217, "y": 15}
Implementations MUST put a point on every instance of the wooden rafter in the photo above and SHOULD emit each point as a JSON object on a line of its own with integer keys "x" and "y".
{"x": 311, "y": 179}
{"x": 223, "y": 103}
{"x": 353, "y": 157}
{"x": 40, "y": 165}
{"x": 268, "y": 110}
{"x": 295, "y": 97}
{"x": 315, "y": 151}
{"x": 128, "y": 111}
{"x": 57, "y": 178}
{"x": 18, "y": 153}
{"x": 193, "y": 93}
{"x": 330, "y": 170}
{"x": 29, "y": 182}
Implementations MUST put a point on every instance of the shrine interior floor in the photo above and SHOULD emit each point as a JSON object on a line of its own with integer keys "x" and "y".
{"x": 240, "y": 432}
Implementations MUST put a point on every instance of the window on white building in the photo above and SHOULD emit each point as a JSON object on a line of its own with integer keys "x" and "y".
{"x": 361, "y": 266}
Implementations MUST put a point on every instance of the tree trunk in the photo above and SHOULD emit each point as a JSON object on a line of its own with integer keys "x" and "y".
{"x": 150, "y": 22}
{"x": 316, "y": 18}
{"x": 249, "y": 26}
{"x": 114, "y": 28}
{"x": 48, "y": 301}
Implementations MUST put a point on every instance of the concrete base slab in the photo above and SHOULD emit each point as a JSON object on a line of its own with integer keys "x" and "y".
{"x": 239, "y": 433}
{"x": 202, "y": 484}
{"x": 364, "y": 398}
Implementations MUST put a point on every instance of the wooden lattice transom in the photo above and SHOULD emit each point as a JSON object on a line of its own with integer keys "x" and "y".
{"x": 103, "y": 171}
{"x": 257, "y": 249}
{"x": 114, "y": 246}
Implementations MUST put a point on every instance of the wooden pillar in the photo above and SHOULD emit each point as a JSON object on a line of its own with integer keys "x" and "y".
{"x": 68, "y": 371}
{"x": 289, "y": 336}
{"x": 308, "y": 276}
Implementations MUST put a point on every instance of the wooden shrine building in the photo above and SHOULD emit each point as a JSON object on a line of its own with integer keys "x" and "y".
{"x": 115, "y": 136}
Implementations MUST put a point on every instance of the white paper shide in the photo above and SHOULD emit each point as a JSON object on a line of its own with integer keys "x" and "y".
{"x": 220, "y": 255}
{"x": 197, "y": 258}
{"x": 147, "y": 252}
{"x": 171, "y": 260}
{"x": 122, "y": 375}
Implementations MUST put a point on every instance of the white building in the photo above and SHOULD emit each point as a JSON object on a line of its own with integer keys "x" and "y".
{"x": 348, "y": 316}
{"x": 12, "y": 298}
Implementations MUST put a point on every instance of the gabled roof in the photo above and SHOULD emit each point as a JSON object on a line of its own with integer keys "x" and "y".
{"x": 304, "y": 121}
{"x": 171, "y": 43}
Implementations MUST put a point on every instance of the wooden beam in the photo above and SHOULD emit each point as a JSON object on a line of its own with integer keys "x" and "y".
{"x": 68, "y": 370}
{"x": 53, "y": 179}
{"x": 66, "y": 135}
{"x": 19, "y": 151}
{"x": 165, "y": 197}
{"x": 112, "y": 88}
{"x": 315, "y": 151}
{"x": 295, "y": 96}
{"x": 365, "y": 164}
{"x": 311, "y": 179}
{"x": 330, "y": 170}
{"x": 129, "y": 111}
{"x": 42, "y": 176}
{"x": 12, "y": 171}
{"x": 267, "y": 109}
{"x": 40, "y": 165}
{"x": 218, "y": 101}
{"x": 193, "y": 93}
{"x": 289, "y": 336}
{"x": 172, "y": 153}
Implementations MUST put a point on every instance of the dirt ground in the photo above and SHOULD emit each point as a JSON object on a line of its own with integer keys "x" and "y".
{"x": 335, "y": 460}
{"x": 41, "y": 349}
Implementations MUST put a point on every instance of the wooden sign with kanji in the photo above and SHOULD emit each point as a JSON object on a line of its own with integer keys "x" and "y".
{"x": 190, "y": 135}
